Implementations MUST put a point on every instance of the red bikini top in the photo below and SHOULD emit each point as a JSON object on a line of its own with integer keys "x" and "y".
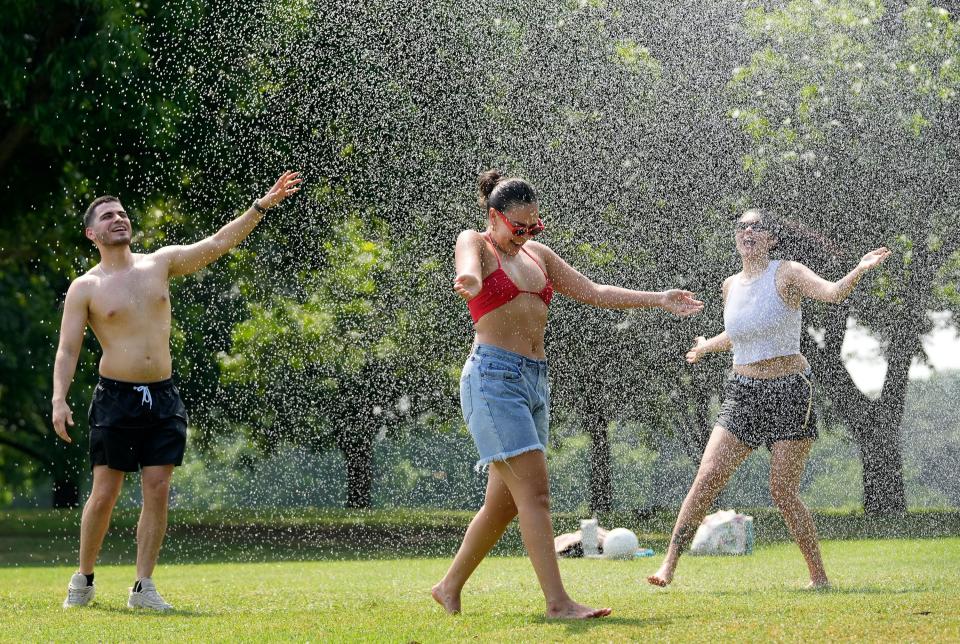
{"x": 498, "y": 288}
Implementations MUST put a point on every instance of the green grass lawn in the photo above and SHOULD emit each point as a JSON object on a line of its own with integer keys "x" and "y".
{"x": 885, "y": 590}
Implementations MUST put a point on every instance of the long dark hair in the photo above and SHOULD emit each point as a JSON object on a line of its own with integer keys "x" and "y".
{"x": 502, "y": 192}
{"x": 798, "y": 242}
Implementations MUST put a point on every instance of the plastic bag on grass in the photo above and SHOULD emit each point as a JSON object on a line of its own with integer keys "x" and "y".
{"x": 724, "y": 533}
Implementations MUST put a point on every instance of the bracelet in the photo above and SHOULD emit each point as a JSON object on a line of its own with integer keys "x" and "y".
{"x": 260, "y": 209}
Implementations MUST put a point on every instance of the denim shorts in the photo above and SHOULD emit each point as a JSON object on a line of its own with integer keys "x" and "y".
{"x": 505, "y": 400}
{"x": 762, "y": 412}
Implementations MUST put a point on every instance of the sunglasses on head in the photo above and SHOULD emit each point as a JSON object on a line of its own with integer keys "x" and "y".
{"x": 757, "y": 226}
{"x": 519, "y": 230}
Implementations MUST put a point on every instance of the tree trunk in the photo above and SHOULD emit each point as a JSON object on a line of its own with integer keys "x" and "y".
{"x": 601, "y": 490}
{"x": 693, "y": 425}
{"x": 883, "y": 485}
{"x": 883, "y": 488}
{"x": 11, "y": 141}
{"x": 874, "y": 425}
{"x": 359, "y": 476}
{"x": 66, "y": 493}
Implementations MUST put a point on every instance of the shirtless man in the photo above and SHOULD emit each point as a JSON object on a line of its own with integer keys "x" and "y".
{"x": 137, "y": 420}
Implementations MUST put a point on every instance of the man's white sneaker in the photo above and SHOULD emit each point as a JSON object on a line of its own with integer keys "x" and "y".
{"x": 148, "y": 597}
{"x": 78, "y": 592}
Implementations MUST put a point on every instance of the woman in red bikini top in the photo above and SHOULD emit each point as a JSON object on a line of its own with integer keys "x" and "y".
{"x": 508, "y": 280}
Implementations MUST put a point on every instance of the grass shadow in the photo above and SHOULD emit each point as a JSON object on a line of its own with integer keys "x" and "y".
{"x": 149, "y": 614}
{"x": 583, "y": 626}
{"x": 852, "y": 590}
{"x": 855, "y": 590}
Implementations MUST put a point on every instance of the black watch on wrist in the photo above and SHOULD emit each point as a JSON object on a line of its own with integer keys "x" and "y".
{"x": 260, "y": 209}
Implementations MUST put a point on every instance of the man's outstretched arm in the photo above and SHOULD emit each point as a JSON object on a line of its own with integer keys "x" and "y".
{"x": 184, "y": 260}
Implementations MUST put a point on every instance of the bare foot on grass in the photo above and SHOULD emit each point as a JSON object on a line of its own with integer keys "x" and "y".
{"x": 572, "y": 610}
{"x": 662, "y": 577}
{"x": 449, "y": 601}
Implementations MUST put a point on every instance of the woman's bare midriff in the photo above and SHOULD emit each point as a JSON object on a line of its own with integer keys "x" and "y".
{"x": 773, "y": 367}
{"x": 517, "y": 326}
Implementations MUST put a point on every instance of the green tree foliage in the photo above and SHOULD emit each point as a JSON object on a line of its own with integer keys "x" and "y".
{"x": 853, "y": 115}
{"x": 329, "y": 370}
{"x": 398, "y": 135}
{"x": 75, "y": 88}
{"x": 95, "y": 101}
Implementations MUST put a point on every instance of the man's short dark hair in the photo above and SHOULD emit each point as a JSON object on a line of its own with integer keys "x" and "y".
{"x": 88, "y": 216}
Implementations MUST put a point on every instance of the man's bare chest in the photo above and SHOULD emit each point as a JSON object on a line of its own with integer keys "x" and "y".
{"x": 136, "y": 295}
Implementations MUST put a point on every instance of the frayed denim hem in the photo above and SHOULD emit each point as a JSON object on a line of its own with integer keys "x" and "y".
{"x": 484, "y": 463}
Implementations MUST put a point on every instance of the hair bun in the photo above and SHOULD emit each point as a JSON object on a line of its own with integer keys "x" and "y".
{"x": 487, "y": 182}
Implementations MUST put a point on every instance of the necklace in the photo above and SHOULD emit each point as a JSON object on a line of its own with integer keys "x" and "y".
{"x": 497, "y": 246}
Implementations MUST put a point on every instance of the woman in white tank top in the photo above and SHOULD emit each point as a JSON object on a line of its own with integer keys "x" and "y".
{"x": 768, "y": 399}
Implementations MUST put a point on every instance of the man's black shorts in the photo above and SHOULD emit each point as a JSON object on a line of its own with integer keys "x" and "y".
{"x": 135, "y": 425}
{"x": 762, "y": 412}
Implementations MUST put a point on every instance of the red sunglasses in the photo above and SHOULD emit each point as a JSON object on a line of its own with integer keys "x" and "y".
{"x": 519, "y": 230}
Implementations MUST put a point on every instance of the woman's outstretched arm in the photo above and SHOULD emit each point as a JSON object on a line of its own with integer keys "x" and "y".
{"x": 702, "y": 346}
{"x": 716, "y": 344}
{"x": 570, "y": 282}
{"x": 811, "y": 285}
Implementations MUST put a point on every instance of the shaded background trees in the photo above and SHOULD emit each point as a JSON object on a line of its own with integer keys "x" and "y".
{"x": 80, "y": 113}
{"x": 644, "y": 127}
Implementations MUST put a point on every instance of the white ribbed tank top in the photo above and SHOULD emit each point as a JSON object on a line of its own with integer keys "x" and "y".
{"x": 760, "y": 324}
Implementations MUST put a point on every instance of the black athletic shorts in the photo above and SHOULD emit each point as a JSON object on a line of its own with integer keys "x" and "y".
{"x": 762, "y": 412}
{"x": 135, "y": 425}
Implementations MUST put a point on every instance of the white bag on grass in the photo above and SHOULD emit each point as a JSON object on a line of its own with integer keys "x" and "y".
{"x": 724, "y": 533}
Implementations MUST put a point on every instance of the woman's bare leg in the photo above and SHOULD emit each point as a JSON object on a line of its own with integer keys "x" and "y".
{"x": 787, "y": 460}
{"x": 525, "y": 477}
{"x": 721, "y": 458}
{"x": 484, "y": 531}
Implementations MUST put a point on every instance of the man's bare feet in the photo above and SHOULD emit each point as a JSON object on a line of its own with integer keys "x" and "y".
{"x": 572, "y": 610}
{"x": 662, "y": 577}
{"x": 449, "y": 601}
